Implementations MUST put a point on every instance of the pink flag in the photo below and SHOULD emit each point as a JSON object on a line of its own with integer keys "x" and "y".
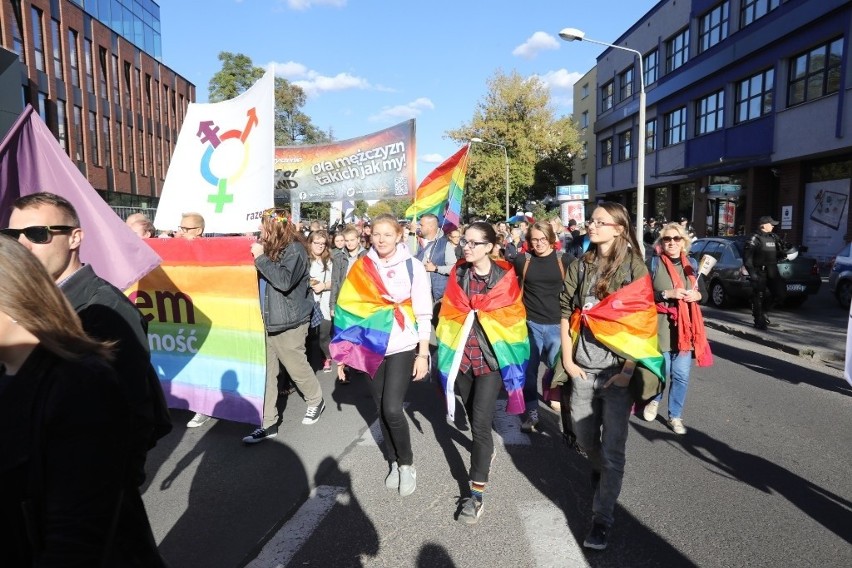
{"x": 31, "y": 161}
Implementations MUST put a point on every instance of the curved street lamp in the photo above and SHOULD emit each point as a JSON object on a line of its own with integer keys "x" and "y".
{"x": 506, "y": 157}
{"x": 573, "y": 34}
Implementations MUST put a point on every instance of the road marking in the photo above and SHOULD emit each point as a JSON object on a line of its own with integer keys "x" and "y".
{"x": 281, "y": 548}
{"x": 372, "y": 436}
{"x": 508, "y": 427}
{"x": 551, "y": 542}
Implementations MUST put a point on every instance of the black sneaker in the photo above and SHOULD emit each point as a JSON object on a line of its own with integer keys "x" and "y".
{"x": 259, "y": 435}
{"x": 471, "y": 511}
{"x": 597, "y": 537}
{"x": 313, "y": 413}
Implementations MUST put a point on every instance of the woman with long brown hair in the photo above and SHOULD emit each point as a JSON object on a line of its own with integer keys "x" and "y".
{"x": 287, "y": 303}
{"x": 320, "y": 272}
{"x": 63, "y": 420}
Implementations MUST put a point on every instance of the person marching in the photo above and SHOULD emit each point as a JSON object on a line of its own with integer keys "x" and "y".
{"x": 320, "y": 273}
{"x": 482, "y": 347}
{"x": 382, "y": 326}
{"x": 609, "y": 324}
{"x": 678, "y": 287}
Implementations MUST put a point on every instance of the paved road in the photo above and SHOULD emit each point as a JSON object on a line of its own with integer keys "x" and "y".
{"x": 761, "y": 478}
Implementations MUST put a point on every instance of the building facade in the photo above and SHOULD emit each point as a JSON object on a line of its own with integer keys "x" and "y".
{"x": 748, "y": 114}
{"x": 585, "y": 112}
{"x": 92, "y": 69}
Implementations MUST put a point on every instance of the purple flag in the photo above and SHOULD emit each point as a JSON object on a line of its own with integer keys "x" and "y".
{"x": 31, "y": 161}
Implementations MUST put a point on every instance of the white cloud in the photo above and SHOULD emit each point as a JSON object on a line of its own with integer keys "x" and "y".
{"x": 432, "y": 158}
{"x": 403, "y": 112}
{"x": 308, "y": 4}
{"x": 537, "y": 42}
{"x": 561, "y": 85}
{"x": 314, "y": 83}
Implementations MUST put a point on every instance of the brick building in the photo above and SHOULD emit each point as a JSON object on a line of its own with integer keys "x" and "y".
{"x": 93, "y": 70}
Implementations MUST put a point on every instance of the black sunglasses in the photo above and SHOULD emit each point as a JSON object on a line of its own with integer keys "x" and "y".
{"x": 670, "y": 239}
{"x": 37, "y": 235}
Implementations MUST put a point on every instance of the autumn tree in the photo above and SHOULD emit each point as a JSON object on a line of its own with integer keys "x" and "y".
{"x": 517, "y": 113}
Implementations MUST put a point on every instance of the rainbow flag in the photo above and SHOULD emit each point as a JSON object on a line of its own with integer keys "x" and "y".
{"x": 502, "y": 316}
{"x": 441, "y": 192}
{"x": 625, "y": 322}
{"x": 364, "y": 317}
{"x": 205, "y": 329}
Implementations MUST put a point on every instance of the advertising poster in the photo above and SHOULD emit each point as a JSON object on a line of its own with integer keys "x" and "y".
{"x": 372, "y": 167}
{"x": 573, "y": 210}
{"x": 826, "y": 212}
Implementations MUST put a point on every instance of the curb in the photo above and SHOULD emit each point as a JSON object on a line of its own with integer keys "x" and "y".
{"x": 827, "y": 357}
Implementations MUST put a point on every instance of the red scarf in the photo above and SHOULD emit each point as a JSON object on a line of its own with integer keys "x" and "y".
{"x": 687, "y": 316}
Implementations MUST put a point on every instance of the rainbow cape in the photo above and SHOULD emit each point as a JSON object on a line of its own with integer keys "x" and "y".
{"x": 441, "y": 192}
{"x": 364, "y": 317}
{"x": 502, "y": 316}
{"x": 625, "y": 322}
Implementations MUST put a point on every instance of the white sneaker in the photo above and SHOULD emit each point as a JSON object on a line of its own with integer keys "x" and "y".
{"x": 392, "y": 480}
{"x": 650, "y": 412}
{"x": 677, "y": 426}
{"x": 198, "y": 420}
{"x": 407, "y": 480}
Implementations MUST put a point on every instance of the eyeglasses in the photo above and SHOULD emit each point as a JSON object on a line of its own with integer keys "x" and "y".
{"x": 599, "y": 223}
{"x": 465, "y": 242}
{"x": 38, "y": 235}
{"x": 670, "y": 239}
{"x": 318, "y": 243}
{"x": 542, "y": 240}
{"x": 187, "y": 229}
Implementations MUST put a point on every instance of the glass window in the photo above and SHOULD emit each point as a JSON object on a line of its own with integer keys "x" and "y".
{"x": 87, "y": 55}
{"x": 713, "y": 27}
{"x": 107, "y": 142}
{"x": 61, "y": 125}
{"x": 585, "y": 91}
{"x": 710, "y": 113}
{"x": 815, "y": 73}
{"x": 606, "y": 152}
{"x": 73, "y": 58}
{"x": 754, "y": 96}
{"x": 651, "y": 135}
{"x": 42, "y": 106}
{"x": 606, "y": 96}
{"x": 652, "y": 62}
{"x": 625, "y": 84}
{"x": 584, "y": 119}
{"x": 751, "y": 10}
{"x": 674, "y": 127}
{"x": 94, "y": 153}
{"x": 102, "y": 75}
{"x": 55, "y": 37}
{"x": 677, "y": 50}
{"x": 114, "y": 72}
{"x": 119, "y": 150}
{"x": 37, "y": 24}
{"x": 18, "y": 40}
{"x": 625, "y": 146}
{"x": 584, "y": 150}
{"x": 130, "y": 162}
{"x": 79, "y": 153}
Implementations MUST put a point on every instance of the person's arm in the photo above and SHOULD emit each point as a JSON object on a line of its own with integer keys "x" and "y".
{"x": 449, "y": 259}
{"x": 421, "y": 304}
{"x": 748, "y": 255}
{"x": 285, "y": 274}
{"x": 566, "y": 304}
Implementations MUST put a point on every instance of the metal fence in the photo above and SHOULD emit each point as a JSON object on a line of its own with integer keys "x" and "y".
{"x": 125, "y": 212}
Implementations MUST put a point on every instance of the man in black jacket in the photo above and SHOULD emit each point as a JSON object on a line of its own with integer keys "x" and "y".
{"x": 762, "y": 252}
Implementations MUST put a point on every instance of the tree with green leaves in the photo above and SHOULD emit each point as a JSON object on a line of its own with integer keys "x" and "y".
{"x": 517, "y": 113}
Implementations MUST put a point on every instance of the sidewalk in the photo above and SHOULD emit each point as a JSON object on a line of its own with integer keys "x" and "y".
{"x": 815, "y": 331}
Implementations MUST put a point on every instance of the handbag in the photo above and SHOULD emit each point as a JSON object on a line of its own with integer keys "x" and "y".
{"x": 316, "y": 315}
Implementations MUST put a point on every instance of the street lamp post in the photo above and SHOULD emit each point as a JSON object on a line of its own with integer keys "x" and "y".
{"x": 573, "y": 34}
{"x": 506, "y": 157}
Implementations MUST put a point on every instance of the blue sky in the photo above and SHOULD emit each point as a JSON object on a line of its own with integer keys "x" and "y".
{"x": 369, "y": 64}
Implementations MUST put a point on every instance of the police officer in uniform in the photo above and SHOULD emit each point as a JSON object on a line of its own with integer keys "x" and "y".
{"x": 763, "y": 250}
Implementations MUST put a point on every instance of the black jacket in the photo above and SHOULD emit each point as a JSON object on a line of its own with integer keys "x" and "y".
{"x": 66, "y": 495}
{"x": 761, "y": 250}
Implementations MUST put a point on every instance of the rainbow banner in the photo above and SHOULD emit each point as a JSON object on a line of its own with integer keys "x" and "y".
{"x": 441, "y": 192}
{"x": 502, "y": 316}
{"x": 205, "y": 328}
{"x": 625, "y": 322}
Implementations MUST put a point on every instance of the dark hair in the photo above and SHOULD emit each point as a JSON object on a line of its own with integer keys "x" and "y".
{"x": 36, "y": 200}
{"x": 486, "y": 229}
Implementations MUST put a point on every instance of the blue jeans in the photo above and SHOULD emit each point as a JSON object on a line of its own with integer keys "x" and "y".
{"x": 599, "y": 419}
{"x": 678, "y": 365}
{"x": 545, "y": 341}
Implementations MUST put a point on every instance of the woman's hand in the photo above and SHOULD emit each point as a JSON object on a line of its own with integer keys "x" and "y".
{"x": 421, "y": 368}
{"x": 341, "y": 372}
{"x": 572, "y": 368}
{"x": 256, "y": 249}
{"x": 318, "y": 288}
{"x": 619, "y": 380}
{"x": 692, "y": 296}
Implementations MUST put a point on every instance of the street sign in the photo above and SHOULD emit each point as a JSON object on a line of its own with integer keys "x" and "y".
{"x": 572, "y": 193}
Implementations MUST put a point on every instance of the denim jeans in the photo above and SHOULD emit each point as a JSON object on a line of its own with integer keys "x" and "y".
{"x": 545, "y": 341}
{"x": 599, "y": 418}
{"x": 678, "y": 365}
{"x": 479, "y": 395}
{"x": 389, "y": 388}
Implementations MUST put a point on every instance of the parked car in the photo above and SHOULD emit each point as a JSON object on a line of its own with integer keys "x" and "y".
{"x": 728, "y": 281}
{"x": 840, "y": 277}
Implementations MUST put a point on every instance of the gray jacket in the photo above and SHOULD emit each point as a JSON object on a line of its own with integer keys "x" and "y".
{"x": 339, "y": 270}
{"x": 288, "y": 299}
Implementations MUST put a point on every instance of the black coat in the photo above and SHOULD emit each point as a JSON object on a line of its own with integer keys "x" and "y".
{"x": 64, "y": 461}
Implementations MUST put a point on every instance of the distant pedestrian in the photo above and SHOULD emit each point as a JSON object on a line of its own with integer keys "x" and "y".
{"x": 141, "y": 225}
{"x": 319, "y": 335}
{"x": 763, "y": 250}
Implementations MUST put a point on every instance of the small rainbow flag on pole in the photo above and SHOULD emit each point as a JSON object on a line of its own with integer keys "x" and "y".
{"x": 441, "y": 192}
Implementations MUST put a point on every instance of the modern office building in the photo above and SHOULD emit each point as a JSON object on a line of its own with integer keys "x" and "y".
{"x": 93, "y": 70}
{"x": 585, "y": 111}
{"x": 748, "y": 114}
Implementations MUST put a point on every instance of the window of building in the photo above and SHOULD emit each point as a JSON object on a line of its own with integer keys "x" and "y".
{"x": 713, "y": 27}
{"x": 102, "y": 76}
{"x": 140, "y": 150}
{"x": 56, "y": 37}
{"x": 94, "y": 152}
{"x": 584, "y": 179}
{"x": 584, "y": 119}
{"x": 674, "y": 127}
{"x": 751, "y": 10}
{"x": 127, "y": 83}
{"x": 148, "y": 90}
{"x": 114, "y": 72}
{"x": 606, "y": 96}
{"x": 107, "y": 142}
{"x": 584, "y": 151}
{"x": 754, "y": 96}
{"x": 79, "y": 153}
{"x": 651, "y": 135}
{"x": 157, "y": 100}
{"x": 652, "y": 64}
{"x": 61, "y": 125}
{"x": 87, "y": 55}
{"x": 625, "y": 84}
{"x": 42, "y": 106}
{"x": 677, "y": 50}
{"x": 625, "y": 146}
{"x": 710, "y": 113}
{"x": 37, "y": 23}
{"x": 160, "y": 145}
{"x": 74, "y": 58}
{"x": 150, "y": 159}
{"x": 606, "y": 152}
{"x": 18, "y": 39}
{"x": 138, "y": 89}
{"x": 815, "y": 73}
{"x": 584, "y": 90}
{"x": 119, "y": 147}
{"x": 130, "y": 159}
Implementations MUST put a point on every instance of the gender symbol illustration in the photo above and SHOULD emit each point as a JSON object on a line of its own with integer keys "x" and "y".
{"x": 208, "y": 132}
